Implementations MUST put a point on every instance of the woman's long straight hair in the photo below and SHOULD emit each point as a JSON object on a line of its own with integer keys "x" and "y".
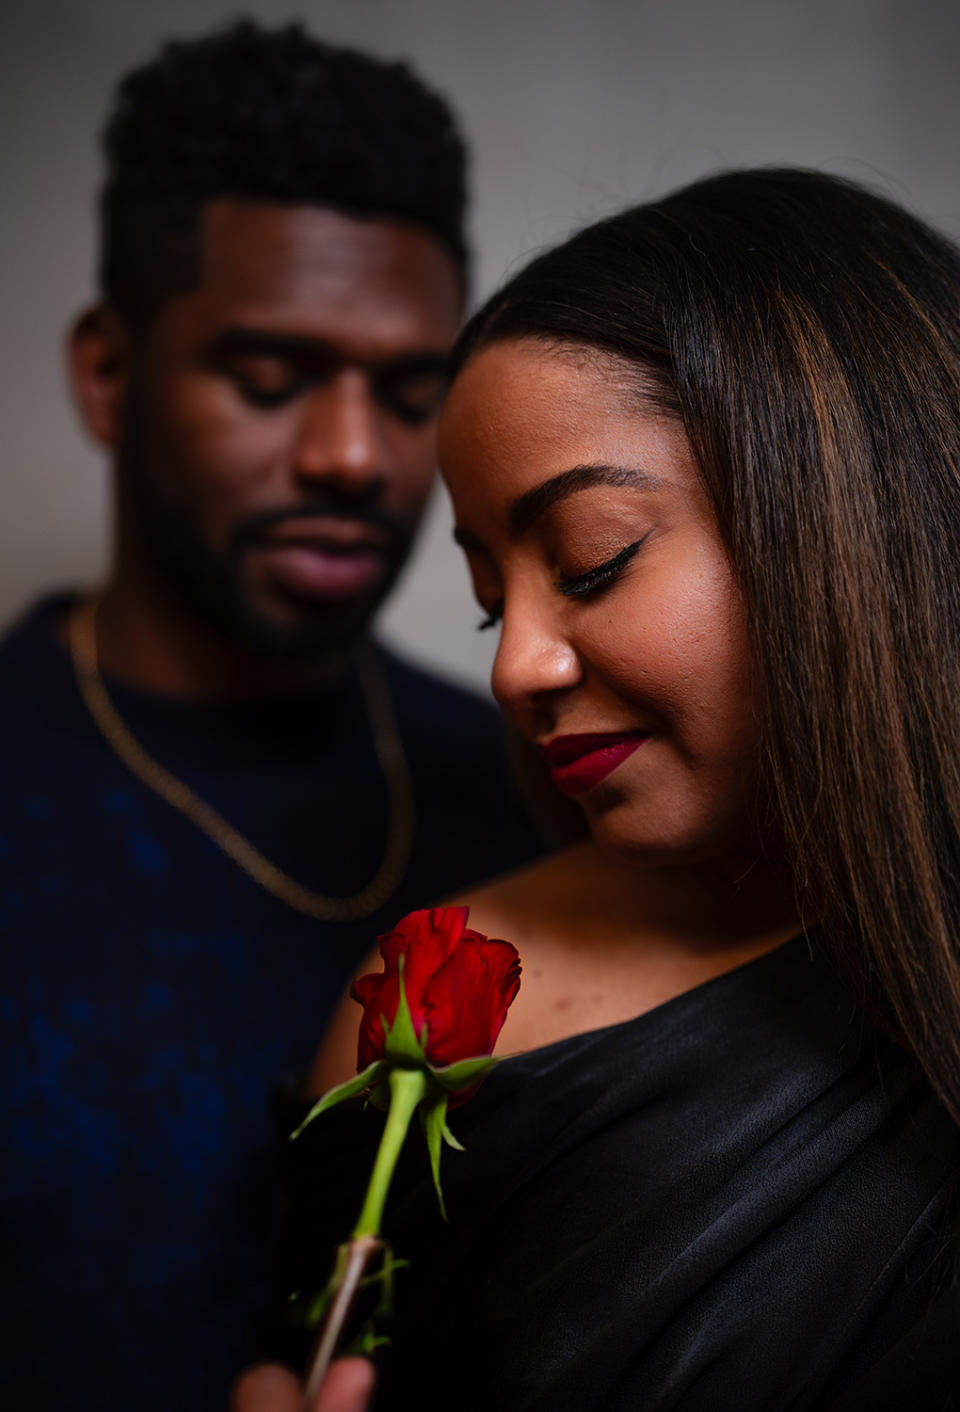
{"x": 807, "y": 333}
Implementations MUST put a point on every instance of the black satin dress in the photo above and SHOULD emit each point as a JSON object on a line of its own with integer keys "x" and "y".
{"x": 742, "y": 1200}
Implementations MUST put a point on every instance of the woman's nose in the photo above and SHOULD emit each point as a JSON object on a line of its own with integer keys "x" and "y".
{"x": 535, "y": 662}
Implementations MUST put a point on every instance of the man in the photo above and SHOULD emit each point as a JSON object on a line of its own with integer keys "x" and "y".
{"x": 217, "y": 792}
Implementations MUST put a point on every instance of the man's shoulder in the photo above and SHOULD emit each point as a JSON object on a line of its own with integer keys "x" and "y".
{"x": 436, "y": 700}
{"x": 33, "y": 628}
{"x": 458, "y": 753}
{"x": 43, "y": 721}
{"x": 450, "y": 731}
{"x": 33, "y": 664}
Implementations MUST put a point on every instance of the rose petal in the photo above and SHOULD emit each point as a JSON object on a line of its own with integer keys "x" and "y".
{"x": 458, "y": 983}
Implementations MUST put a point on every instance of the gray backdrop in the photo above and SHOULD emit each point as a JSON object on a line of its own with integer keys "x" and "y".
{"x": 574, "y": 107}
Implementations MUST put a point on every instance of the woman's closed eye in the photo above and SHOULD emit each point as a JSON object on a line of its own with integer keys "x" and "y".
{"x": 591, "y": 580}
{"x": 578, "y": 585}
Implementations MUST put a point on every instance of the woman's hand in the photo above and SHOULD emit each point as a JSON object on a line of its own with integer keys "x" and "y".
{"x": 348, "y": 1387}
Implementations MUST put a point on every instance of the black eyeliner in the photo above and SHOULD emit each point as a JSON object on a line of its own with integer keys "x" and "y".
{"x": 492, "y": 618}
{"x": 575, "y": 584}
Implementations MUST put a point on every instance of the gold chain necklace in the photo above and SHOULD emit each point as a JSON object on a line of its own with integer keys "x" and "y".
{"x": 82, "y": 639}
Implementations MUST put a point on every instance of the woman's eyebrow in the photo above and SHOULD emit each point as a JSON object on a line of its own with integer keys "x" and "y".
{"x": 528, "y": 507}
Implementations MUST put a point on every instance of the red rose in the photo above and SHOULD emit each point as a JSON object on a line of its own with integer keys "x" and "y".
{"x": 458, "y": 984}
{"x": 430, "y": 1021}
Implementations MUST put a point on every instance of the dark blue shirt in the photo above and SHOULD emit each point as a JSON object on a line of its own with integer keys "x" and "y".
{"x": 152, "y": 994}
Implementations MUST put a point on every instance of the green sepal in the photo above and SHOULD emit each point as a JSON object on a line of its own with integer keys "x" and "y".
{"x": 365, "y": 1344}
{"x": 317, "y": 1307}
{"x": 451, "y": 1141}
{"x": 400, "y": 1038}
{"x": 464, "y": 1073}
{"x": 385, "y": 1275}
{"x": 368, "y": 1079}
{"x": 379, "y": 1096}
{"x": 433, "y": 1115}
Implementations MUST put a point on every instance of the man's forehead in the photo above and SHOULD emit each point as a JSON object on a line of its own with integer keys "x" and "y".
{"x": 303, "y": 267}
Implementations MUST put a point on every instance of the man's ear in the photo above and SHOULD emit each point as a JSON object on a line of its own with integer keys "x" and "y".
{"x": 98, "y": 361}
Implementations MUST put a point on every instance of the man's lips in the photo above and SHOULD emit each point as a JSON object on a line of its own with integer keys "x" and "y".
{"x": 329, "y": 531}
{"x": 578, "y": 762}
{"x": 325, "y": 559}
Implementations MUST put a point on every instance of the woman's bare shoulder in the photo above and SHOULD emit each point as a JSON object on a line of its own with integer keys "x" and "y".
{"x": 570, "y": 945}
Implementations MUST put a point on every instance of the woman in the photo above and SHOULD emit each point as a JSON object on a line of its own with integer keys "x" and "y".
{"x": 705, "y": 466}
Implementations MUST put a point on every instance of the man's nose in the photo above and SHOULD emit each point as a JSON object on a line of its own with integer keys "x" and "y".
{"x": 535, "y": 663}
{"x": 341, "y": 435}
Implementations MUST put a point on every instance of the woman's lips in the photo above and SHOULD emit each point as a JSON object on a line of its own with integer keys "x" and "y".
{"x": 578, "y": 762}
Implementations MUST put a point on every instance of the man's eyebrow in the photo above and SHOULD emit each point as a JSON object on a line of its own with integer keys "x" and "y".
{"x": 238, "y": 340}
{"x": 527, "y": 509}
{"x": 264, "y": 342}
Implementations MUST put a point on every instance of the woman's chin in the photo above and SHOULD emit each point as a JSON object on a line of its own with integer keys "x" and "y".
{"x": 656, "y": 847}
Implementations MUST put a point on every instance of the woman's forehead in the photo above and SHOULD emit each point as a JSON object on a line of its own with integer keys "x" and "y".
{"x": 524, "y": 412}
{"x": 526, "y": 396}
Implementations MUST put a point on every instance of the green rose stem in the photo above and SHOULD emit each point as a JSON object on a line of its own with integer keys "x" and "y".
{"x": 408, "y": 1087}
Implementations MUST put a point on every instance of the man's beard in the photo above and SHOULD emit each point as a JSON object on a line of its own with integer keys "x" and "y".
{"x": 210, "y": 583}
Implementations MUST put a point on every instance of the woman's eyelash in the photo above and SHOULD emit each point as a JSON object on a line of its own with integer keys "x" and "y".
{"x": 493, "y": 617}
{"x": 573, "y": 585}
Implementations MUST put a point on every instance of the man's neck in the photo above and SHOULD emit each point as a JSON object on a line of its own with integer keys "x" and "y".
{"x": 148, "y": 640}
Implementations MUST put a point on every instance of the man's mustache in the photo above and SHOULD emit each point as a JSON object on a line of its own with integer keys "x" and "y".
{"x": 256, "y": 528}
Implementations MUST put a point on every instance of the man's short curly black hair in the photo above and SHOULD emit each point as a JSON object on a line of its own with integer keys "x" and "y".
{"x": 274, "y": 115}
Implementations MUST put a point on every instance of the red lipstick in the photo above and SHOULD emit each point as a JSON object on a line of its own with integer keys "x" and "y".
{"x": 578, "y": 762}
